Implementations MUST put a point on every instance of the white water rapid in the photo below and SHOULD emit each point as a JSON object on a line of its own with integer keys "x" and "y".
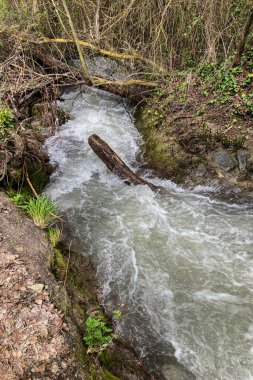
{"x": 178, "y": 266}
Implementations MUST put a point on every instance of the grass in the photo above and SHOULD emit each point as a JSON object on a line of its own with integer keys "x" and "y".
{"x": 54, "y": 235}
{"x": 41, "y": 210}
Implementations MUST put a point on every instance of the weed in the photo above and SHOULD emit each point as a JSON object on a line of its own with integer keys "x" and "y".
{"x": 18, "y": 199}
{"x": 226, "y": 142}
{"x": 98, "y": 335}
{"x": 7, "y": 123}
{"x": 41, "y": 210}
{"x": 117, "y": 314}
{"x": 204, "y": 133}
{"x": 54, "y": 235}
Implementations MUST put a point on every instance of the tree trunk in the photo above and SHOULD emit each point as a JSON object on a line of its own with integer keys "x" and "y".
{"x": 243, "y": 40}
{"x": 115, "y": 163}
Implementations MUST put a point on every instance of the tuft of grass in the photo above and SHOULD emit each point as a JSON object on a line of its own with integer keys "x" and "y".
{"x": 41, "y": 210}
{"x": 54, "y": 235}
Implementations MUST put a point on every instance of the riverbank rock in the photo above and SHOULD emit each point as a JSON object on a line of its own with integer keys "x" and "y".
{"x": 224, "y": 160}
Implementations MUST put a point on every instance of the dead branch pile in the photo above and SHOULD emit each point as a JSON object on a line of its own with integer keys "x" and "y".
{"x": 31, "y": 70}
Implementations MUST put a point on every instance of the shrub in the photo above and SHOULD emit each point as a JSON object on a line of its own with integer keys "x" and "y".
{"x": 98, "y": 335}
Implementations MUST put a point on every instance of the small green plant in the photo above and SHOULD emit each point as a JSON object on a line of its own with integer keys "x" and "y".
{"x": 54, "y": 235}
{"x": 18, "y": 199}
{"x": 41, "y": 209}
{"x": 7, "y": 123}
{"x": 204, "y": 133}
{"x": 117, "y": 314}
{"x": 226, "y": 142}
{"x": 98, "y": 335}
{"x": 238, "y": 142}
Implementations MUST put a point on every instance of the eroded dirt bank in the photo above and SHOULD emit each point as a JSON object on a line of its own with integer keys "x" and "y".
{"x": 36, "y": 341}
{"x": 42, "y": 315}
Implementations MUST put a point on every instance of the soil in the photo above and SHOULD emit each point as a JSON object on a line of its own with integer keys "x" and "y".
{"x": 36, "y": 343}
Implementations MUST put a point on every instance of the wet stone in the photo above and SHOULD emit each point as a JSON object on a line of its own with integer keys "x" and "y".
{"x": 224, "y": 160}
{"x": 242, "y": 159}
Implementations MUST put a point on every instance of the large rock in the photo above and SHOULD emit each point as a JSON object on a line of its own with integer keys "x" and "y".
{"x": 224, "y": 160}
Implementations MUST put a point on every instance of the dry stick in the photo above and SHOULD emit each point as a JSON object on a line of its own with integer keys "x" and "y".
{"x": 30, "y": 184}
{"x": 77, "y": 43}
{"x": 59, "y": 17}
{"x": 134, "y": 57}
{"x": 243, "y": 40}
{"x": 160, "y": 26}
{"x": 132, "y": 82}
{"x": 96, "y": 21}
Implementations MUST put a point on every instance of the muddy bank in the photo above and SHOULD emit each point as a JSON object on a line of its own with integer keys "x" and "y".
{"x": 37, "y": 341}
{"x": 45, "y": 299}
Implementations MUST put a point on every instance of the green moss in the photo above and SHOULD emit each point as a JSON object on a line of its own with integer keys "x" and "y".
{"x": 76, "y": 284}
{"x": 60, "y": 297}
{"x": 109, "y": 376}
{"x": 107, "y": 358}
{"x": 58, "y": 265}
{"x": 163, "y": 152}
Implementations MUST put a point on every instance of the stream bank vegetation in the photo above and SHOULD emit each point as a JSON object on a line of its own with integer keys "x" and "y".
{"x": 193, "y": 60}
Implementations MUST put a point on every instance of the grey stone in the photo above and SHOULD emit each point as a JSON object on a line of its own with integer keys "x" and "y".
{"x": 224, "y": 160}
{"x": 242, "y": 159}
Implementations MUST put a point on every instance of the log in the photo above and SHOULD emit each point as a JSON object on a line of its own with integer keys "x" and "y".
{"x": 115, "y": 163}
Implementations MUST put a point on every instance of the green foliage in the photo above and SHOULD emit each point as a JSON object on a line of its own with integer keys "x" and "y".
{"x": 3, "y": 9}
{"x": 109, "y": 376}
{"x": 54, "y": 235}
{"x": 210, "y": 139}
{"x": 117, "y": 314}
{"x": 41, "y": 209}
{"x": 98, "y": 335}
{"x": 228, "y": 85}
{"x": 18, "y": 199}
{"x": 7, "y": 123}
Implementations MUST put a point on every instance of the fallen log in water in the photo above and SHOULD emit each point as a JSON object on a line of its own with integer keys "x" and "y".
{"x": 115, "y": 163}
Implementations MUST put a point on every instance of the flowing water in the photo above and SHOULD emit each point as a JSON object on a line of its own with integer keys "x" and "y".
{"x": 178, "y": 266}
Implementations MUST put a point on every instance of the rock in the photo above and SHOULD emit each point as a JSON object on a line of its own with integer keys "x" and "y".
{"x": 224, "y": 160}
{"x": 250, "y": 164}
{"x": 55, "y": 368}
{"x": 37, "y": 287}
{"x": 242, "y": 159}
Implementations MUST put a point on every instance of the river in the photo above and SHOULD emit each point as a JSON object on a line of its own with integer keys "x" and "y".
{"x": 178, "y": 266}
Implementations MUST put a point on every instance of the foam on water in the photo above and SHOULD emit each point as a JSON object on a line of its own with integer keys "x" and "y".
{"x": 179, "y": 266}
